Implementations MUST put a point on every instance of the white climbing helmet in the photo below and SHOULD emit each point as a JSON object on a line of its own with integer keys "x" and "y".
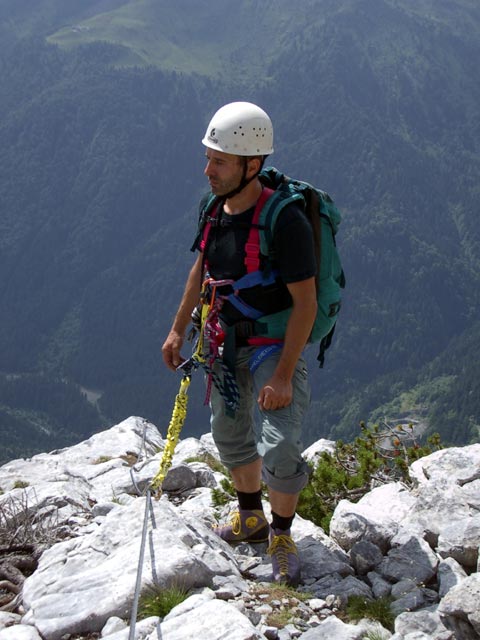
{"x": 240, "y": 128}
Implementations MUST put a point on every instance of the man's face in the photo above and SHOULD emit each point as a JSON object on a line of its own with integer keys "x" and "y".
{"x": 223, "y": 170}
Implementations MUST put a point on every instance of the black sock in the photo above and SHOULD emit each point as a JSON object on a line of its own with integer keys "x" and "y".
{"x": 250, "y": 501}
{"x": 280, "y": 522}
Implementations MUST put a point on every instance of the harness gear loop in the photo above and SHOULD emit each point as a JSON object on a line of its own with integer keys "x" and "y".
{"x": 174, "y": 428}
{"x": 212, "y": 340}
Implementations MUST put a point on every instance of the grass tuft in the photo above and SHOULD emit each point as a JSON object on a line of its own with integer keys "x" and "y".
{"x": 159, "y": 602}
{"x": 102, "y": 459}
{"x": 380, "y": 610}
{"x": 20, "y": 484}
{"x": 283, "y": 599}
{"x": 211, "y": 461}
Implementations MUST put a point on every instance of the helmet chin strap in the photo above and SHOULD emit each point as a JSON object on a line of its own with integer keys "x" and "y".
{"x": 243, "y": 181}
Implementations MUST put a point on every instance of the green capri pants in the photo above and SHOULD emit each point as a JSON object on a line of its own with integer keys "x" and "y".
{"x": 276, "y": 437}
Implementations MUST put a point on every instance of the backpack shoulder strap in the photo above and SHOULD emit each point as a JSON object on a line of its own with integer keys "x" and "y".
{"x": 207, "y": 214}
{"x": 252, "y": 246}
{"x": 283, "y": 196}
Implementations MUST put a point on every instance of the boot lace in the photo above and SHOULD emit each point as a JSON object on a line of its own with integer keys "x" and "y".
{"x": 236, "y": 523}
{"x": 281, "y": 546}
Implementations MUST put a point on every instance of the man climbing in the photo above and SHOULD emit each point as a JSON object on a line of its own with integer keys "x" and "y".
{"x": 270, "y": 374}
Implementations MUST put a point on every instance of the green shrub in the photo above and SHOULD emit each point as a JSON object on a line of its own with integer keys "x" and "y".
{"x": 381, "y": 454}
{"x": 222, "y": 496}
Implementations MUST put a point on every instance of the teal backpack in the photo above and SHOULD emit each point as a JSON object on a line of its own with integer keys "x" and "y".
{"x": 324, "y": 219}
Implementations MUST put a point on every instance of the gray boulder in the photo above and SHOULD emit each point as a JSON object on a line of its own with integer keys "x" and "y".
{"x": 365, "y": 556}
{"x": 460, "y": 608}
{"x": 333, "y": 628}
{"x": 449, "y": 574}
{"x": 374, "y": 518}
{"x": 413, "y": 559}
{"x": 427, "y": 623}
{"x": 460, "y": 540}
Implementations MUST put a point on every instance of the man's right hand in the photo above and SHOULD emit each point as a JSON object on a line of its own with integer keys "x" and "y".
{"x": 171, "y": 350}
{"x": 191, "y": 295}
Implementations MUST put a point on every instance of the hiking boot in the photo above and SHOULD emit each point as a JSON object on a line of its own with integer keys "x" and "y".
{"x": 244, "y": 526}
{"x": 285, "y": 562}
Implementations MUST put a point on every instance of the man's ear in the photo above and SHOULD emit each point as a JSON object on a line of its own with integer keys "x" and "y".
{"x": 254, "y": 166}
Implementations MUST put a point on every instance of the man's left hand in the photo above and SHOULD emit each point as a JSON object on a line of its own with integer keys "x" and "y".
{"x": 276, "y": 394}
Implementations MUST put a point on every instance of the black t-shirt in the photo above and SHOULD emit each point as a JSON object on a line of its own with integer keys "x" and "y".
{"x": 293, "y": 256}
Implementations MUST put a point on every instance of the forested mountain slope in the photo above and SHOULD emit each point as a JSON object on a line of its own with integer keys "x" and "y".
{"x": 101, "y": 169}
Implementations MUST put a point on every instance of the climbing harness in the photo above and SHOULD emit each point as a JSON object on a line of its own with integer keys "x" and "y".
{"x": 213, "y": 337}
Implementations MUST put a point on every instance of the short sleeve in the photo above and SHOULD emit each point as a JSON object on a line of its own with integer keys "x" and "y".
{"x": 293, "y": 245}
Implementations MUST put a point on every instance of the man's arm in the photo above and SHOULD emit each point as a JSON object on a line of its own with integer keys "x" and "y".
{"x": 173, "y": 343}
{"x": 277, "y": 393}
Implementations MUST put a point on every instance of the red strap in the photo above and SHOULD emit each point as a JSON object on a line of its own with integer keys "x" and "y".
{"x": 206, "y": 229}
{"x": 252, "y": 246}
{"x": 259, "y": 341}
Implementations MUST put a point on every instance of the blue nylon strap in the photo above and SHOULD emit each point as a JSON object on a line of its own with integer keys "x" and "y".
{"x": 261, "y": 354}
{"x": 245, "y": 309}
{"x": 245, "y": 282}
{"x": 254, "y": 278}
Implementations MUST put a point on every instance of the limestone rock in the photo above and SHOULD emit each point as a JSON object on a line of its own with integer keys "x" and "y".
{"x": 450, "y": 573}
{"x": 82, "y": 582}
{"x": 419, "y": 545}
{"x": 460, "y": 540}
{"x": 414, "y": 560}
{"x": 460, "y": 609}
{"x": 374, "y": 518}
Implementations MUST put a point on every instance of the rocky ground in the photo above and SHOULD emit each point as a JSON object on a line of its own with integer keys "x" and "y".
{"x": 75, "y": 523}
